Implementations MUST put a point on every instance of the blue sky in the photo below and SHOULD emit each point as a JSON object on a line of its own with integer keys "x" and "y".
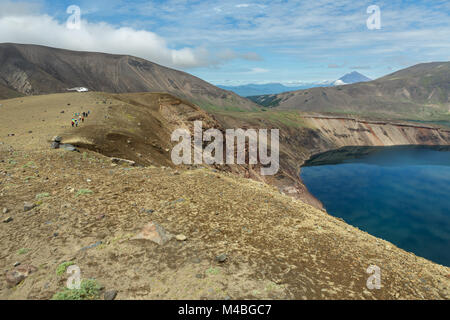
{"x": 234, "y": 42}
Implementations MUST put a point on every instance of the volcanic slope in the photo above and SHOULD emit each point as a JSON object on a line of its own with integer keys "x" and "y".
{"x": 87, "y": 211}
{"x": 33, "y": 70}
{"x": 421, "y": 92}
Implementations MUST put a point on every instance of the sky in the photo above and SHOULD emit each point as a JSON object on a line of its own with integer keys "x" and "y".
{"x": 238, "y": 42}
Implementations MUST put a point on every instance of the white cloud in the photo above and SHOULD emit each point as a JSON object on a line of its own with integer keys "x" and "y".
{"x": 45, "y": 30}
{"x": 18, "y": 24}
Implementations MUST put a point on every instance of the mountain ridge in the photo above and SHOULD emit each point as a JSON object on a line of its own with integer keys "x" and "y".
{"x": 252, "y": 90}
{"x": 34, "y": 69}
{"x": 418, "y": 92}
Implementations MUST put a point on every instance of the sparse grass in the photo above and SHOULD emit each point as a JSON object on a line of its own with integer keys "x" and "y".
{"x": 213, "y": 271}
{"x": 29, "y": 164}
{"x": 267, "y": 117}
{"x": 28, "y": 178}
{"x": 271, "y": 286}
{"x": 43, "y": 195}
{"x": 61, "y": 269}
{"x": 82, "y": 192}
{"x": 89, "y": 290}
{"x": 23, "y": 251}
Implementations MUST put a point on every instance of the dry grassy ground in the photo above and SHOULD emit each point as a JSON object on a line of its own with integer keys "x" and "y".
{"x": 276, "y": 247}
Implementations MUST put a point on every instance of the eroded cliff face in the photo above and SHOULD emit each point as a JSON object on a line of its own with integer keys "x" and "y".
{"x": 342, "y": 132}
{"x": 325, "y": 133}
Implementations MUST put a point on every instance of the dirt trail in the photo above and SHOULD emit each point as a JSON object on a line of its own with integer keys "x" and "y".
{"x": 277, "y": 247}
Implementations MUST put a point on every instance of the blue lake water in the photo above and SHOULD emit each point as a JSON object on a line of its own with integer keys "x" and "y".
{"x": 400, "y": 194}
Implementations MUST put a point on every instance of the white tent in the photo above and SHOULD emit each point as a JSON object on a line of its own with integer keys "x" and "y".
{"x": 79, "y": 89}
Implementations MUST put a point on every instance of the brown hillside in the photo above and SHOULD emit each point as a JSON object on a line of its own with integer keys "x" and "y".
{"x": 418, "y": 92}
{"x": 87, "y": 211}
{"x": 33, "y": 70}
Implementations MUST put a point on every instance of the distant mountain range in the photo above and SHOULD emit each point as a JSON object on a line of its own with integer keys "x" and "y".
{"x": 33, "y": 70}
{"x": 420, "y": 91}
{"x": 251, "y": 90}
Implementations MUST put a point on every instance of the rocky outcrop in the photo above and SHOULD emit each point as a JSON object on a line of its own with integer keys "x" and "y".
{"x": 340, "y": 132}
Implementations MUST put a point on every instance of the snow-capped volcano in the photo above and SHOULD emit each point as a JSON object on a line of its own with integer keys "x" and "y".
{"x": 350, "y": 78}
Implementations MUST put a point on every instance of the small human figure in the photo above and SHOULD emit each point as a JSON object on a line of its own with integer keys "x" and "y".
{"x": 73, "y": 123}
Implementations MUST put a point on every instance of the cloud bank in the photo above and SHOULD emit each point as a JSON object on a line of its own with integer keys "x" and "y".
{"x": 19, "y": 24}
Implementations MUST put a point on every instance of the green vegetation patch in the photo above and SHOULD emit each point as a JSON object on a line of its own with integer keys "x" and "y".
{"x": 23, "y": 251}
{"x": 82, "y": 192}
{"x": 61, "y": 269}
{"x": 89, "y": 290}
{"x": 42, "y": 195}
{"x": 29, "y": 164}
{"x": 213, "y": 271}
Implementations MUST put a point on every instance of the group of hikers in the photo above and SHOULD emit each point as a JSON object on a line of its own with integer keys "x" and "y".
{"x": 78, "y": 118}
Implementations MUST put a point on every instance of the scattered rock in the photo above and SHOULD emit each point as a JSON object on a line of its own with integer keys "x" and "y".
{"x": 27, "y": 206}
{"x": 123, "y": 161}
{"x": 110, "y": 295}
{"x": 5, "y": 210}
{"x": 154, "y": 232}
{"x": 16, "y": 264}
{"x": 175, "y": 201}
{"x": 221, "y": 258}
{"x": 91, "y": 246}
{"x": 18, "y": 274}
{"x": 57, "y": 139}
{"x": 181, "y": 237}
{"x": 54, "y": 145}
{"x": 149, "y": 211}
{"x": 9, "y": 219}
{"x": 68, "y": 147}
